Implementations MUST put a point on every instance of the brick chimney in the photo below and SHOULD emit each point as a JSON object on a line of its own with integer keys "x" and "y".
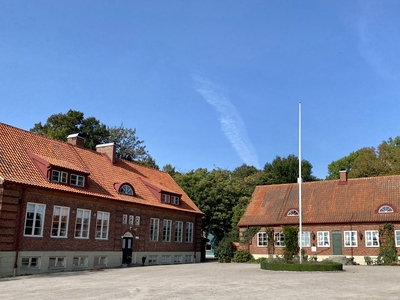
{"x": 76, "y": 139}
{"x": 343, "y": 177}
{"x": 109, "y": 150}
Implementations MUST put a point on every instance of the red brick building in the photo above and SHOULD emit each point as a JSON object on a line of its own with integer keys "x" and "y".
{"x": 339, "y": 217}
{"x": 64, "y": 207}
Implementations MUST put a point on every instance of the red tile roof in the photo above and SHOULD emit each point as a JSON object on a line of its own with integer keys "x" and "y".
{"x": 325, "y": 202}
{"x": 17, "y": 165}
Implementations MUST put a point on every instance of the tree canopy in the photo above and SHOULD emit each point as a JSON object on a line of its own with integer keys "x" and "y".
{"x": 129, "y": 147}
{"x": 368, "y": 161}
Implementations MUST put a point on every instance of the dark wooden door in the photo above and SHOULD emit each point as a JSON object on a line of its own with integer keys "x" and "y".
{"x": 127, "y": 250}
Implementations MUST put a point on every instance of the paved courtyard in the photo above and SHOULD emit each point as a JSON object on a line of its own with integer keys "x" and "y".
{"x": 209, "y": 280}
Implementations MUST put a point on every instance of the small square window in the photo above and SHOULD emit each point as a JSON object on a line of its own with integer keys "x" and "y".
{"x": 77, "y": 180}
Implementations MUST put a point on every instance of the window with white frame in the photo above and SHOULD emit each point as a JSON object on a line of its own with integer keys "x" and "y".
{"x": 131, "y": 219}
{"x": 126, "y": 189}
{"x": 397, "y": 237}
{"x": 82, "y": 223}
{"x": 59, "y": 227}
{"x": 371, "y": 238}
{"x": 262, "y": 239}
{"x": 30, "y": 263}
{"x": 77, "y": 180}
{"x": 166, "y": 259}
{"x": 178, "y": 231}
{"x": 34, "y": 219}
{"x": 80, "y": 262}
{"x": 154, "y": 227}
{"x": 189, "y": 232}
{"x": 177, "y": 259}
{"x": 100, "y": 261}
{"x": 385, "y": 209}
{"x": 175, "y": 200}
{"x": 124, "y": 219}
{"x": 59, "y": 176}
{"x": 278, "y": 239}
{"x": 137, "y": 220}
{"x": 166, "y": 235}
{"x": 102, "y": 224}
{"x": 152, "y": 259}
{"x": 305, "y": 239}
{"x": 323, "y": 238}
{"x": 292, "y": 213}
{"x": 350, "y": 238}
{"x": 56, "y": 262}
{"x": 165, "y": 198}
{"x": 188, "y": 258}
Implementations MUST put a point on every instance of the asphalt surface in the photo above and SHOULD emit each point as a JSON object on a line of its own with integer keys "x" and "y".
{"x": 209, "y": 280}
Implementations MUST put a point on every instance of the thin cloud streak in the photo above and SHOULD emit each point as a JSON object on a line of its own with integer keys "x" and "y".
{"x": 232, "y": 124}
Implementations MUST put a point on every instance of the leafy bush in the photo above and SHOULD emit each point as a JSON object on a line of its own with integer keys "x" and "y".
{"x": 242, "y": 256}
{"x": 279, "y": 266}
{"x": 225, "y": 250}
{"x": 291, "y": 247}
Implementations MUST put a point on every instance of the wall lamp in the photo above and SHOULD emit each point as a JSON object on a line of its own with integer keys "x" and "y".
{"x": 360, "y": 235}
{"x": 313, "y": 235}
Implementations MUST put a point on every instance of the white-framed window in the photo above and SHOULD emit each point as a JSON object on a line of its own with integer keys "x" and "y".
{"x": 30, "y": 263}
{"x": 137, "y": 220}
{"x": 189, "y": 232}
{"x": 102, "y": 224}
{"x": 165, "y": 198}
{"x": 188, "y": 258}
{"x": 166, "y": 236}
{"x": 178, "y": 231}
{"x": 175, "y": 200}
{"x": 131, "y": 219}
{"x": 56, "y": 262}
{"x": 80, "y": 262}
{"x": 82, "y": 223}
{"x": 154, "y": 227}
{"x": 77, "y": 180}
{"x": 293, "y": 213}
{"x": 323, "y": 238}
{"x": 59, "y": 176}
{"x": 124, "y": 219}
{"x": 34, "y": 219}
{"x": 262, "y": 240}
{"x": 177, "y": 259}
{"x": 152, "y": 259}
{"x": 126, "y": 189}
{"x": 100, "y": 261}
{"x": 278, "y": 239}
{"x": 350, "y": 238}
{"x": 385, "y": 209}
{"x": 166, "y": 259}
{"x": 371, "y": 238}
{"x": 305, "y": 239}
{"x": 59, "y": 227}
{"x": 397, "y": 237}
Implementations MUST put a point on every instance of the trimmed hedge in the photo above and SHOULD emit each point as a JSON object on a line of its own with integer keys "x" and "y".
{"x": 331, "y": 266}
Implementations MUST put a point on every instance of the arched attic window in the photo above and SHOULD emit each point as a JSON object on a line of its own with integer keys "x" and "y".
{"x": 124, "y": 188}
{"x": 293, "y": 213}
{"x": 384, "y": 209}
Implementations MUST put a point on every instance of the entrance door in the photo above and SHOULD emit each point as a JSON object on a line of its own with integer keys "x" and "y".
{"x": 337, "y": 243}
{"x": 127, "y": 250}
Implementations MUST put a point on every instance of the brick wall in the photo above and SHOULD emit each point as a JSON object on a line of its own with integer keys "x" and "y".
{"x": 9, "y": 223}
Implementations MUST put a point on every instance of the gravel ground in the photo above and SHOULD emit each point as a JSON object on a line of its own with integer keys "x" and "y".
{"x": 209, "y": 280}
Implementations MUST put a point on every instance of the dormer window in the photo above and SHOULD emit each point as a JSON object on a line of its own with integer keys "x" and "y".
{"x": 77, "y": 180}
{"x": 165, "y": 198}
{"x": 385, "y": 209}
{"x": 59, "y": 176}
{"x": 292, "y": 213}
{"x": 175, "y": 200}
{"x": 126, "y": 190}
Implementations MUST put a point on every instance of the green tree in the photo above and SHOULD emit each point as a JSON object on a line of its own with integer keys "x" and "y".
{"x": 345, "y": 163}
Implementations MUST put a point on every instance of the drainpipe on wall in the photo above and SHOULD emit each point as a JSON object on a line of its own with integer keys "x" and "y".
{"x": 248, "y": 242}
{"x": 19, "y": 220}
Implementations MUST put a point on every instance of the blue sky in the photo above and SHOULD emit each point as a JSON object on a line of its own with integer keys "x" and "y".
{"x": 208, "y": 83}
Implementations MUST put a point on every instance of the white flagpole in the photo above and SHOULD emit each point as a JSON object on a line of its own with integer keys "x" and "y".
{"x": 299, "y": 181}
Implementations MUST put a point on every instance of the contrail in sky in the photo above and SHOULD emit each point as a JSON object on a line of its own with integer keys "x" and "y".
{"x": 232, "y": 124}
